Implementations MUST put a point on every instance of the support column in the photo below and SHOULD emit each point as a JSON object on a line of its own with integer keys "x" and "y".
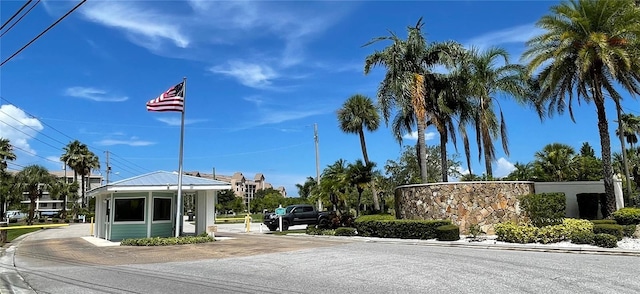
{"x": 205, "y": 210}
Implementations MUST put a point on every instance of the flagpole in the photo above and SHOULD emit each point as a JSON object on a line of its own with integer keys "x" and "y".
{"x": 179, "y": 199}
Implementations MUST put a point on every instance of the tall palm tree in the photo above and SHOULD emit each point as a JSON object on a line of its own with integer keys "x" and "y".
{"x": 81, "y": 160}
{"x": 33, "y": 179}
{"x": 6, "y": 153}
{"x": 360, "y": 175}
{"x": 555, "y": 161}
{"x": 630, "y": 126}
{"x": 357, "y": 114}
{"x": 89, "y": 162}
{"x": 587, "y": 48}
{"x": 408, "y": 63}
{"x": 490, "y": 74}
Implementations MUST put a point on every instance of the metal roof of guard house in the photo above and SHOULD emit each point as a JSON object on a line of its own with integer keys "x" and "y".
{"x": 161, "y": 181}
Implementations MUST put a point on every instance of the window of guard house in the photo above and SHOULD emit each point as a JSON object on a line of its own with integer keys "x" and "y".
{"x": 129, "y": 210}
{"x": 161, "y": 209}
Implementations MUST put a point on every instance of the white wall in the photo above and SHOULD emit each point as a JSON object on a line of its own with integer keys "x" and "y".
{"x": 570, "y": 189}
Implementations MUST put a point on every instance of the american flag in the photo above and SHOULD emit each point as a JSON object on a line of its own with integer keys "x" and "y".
{"x": 171, "y": 100}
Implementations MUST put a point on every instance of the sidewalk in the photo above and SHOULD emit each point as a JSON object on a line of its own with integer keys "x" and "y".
{"x": 562, "y": 247}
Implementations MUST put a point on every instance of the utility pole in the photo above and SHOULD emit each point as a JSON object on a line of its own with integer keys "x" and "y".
{"x": 315, "y": 137}
{"x": 108, "y": 167}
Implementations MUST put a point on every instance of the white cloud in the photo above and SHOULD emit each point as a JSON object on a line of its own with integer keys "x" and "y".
{"x": 249, "y": 74}
{"x": 257, "y": 100}
{"x": 93, "y": 94}
{"x": 18, "y": 127}
{"x": 518, "y": 34}
{"x": 174, "y": 121}
{"x": 131, "y": 142}
{"x": 187, "y": 29}
{"x": 503, "y": 168}
{"x": 143, "y": 26}
{"x": 414, "y": 136}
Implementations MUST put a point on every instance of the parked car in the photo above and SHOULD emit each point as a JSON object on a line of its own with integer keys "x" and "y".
{"x": 299, "y": 214}
{"x": 15, "y": 215}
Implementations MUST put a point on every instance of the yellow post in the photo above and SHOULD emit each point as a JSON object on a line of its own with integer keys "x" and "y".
{"x": 247, "y": 223}
{"x": 91, "y": 232}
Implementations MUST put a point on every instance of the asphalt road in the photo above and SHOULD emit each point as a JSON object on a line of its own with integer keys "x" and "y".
{"x": 345, "y": 267}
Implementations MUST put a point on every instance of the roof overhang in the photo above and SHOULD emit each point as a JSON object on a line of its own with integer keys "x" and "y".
{"x": 158, "y": 188}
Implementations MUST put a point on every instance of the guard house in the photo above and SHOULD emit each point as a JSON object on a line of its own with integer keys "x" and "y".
{"x": 145, "y": 205}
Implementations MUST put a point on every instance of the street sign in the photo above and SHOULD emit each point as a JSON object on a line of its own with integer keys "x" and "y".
{"x": 280, "y": 211}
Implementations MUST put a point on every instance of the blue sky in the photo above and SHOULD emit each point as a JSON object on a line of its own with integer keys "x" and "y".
{"x": 259, "y": 75}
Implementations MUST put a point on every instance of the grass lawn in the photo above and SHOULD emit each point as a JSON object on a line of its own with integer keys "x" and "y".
{"x": 12, "y": 234}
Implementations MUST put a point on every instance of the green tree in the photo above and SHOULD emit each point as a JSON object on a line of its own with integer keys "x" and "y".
{"x": 409, "y": 64}
{"x": 357, "y": 114}
{"x": 264, "y": 192}
{"x": 82, "y": 161}
{"x": 62, "y": 190}
{"x": 334, "y": 186}
{"x": 522, "y": 172}
{"x": 587, "y": 48}
{"x": 555, "y": 161}
{"x": 33, "y": 179}
{"x": 6, "y": 155}
{"x": 360, "y": 176}
{"x": 304, "y": 190}
{"x": 405, "y": 170}
{"x": 486, "y": 80}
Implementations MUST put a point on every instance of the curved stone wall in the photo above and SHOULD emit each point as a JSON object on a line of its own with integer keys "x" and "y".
{"x": 464, "y": 203}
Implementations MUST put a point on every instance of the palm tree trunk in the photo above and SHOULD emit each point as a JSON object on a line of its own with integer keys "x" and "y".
{"x": 605, "y": 144}
{"x": 363, "y": 145}
{"x": 487, "y": 163}
{"x": 422, "y": 151}
{"x": 624, "y": 148}
{"x": 32, "y": 207}
{"x": 444, "y": 164}
{"x": 82, "y": 188}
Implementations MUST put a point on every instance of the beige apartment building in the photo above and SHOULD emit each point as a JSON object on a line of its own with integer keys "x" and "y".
{"x": 242, "y": 186}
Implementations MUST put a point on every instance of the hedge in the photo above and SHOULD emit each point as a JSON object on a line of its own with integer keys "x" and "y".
{"x": 613, "y": 230}
{"x": 627, "y": 216}
{"x": 544, "y": 209}
{"x": 403, "y": 229}
{"x": 157, "y": 241}
{"x": 448, "y": 233}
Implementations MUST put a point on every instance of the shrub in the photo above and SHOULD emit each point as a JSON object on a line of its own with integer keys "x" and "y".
{"x": 552, "y": 234}
{"x": 582, "y": 238}
{"x": 512, "y": 233}
{"x": 576, "y": 226}
{"x": 544, "y": 209}
{"x": 588, "y": 205}
{"x": 345, "y": 232}
{"x": 604, "y": 221}
{"x": 375, "y": 217}
{"x": 404, "y": 229}
{"x": 605, "y": 240}
{"x": 613, "y": 230}
{"x": 628, "y": 230}
{"x": 448, "y": 233}
{"x": 627, "y": 216}
{"x": 157, "y": 241}
{"x": 41, "y": 220}
{"x": 475, "y": 231}
{"x": 312, "y": 230}
{"x": 66, "y": 220}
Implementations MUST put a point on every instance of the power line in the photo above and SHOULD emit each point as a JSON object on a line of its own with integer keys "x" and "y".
{"x": 30, "y": 136}
{"x": 15, "y": 14}
{"x": 31, "y": 128}
{"x": 43, "y": 32}
{"x": 20, "y": 18}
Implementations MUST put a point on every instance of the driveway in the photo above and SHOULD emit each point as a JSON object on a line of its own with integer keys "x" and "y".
{"x": 63, "y": 246}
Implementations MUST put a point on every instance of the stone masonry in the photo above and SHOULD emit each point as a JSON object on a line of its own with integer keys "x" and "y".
{"x": 464, "y": 203}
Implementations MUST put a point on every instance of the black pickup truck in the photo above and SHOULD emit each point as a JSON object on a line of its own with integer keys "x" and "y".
{"x": 299, "y": 214}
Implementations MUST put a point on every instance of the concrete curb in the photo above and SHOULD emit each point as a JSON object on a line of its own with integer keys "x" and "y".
{"x": 515, "y": 247}
{"x": 10, "y": 279}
